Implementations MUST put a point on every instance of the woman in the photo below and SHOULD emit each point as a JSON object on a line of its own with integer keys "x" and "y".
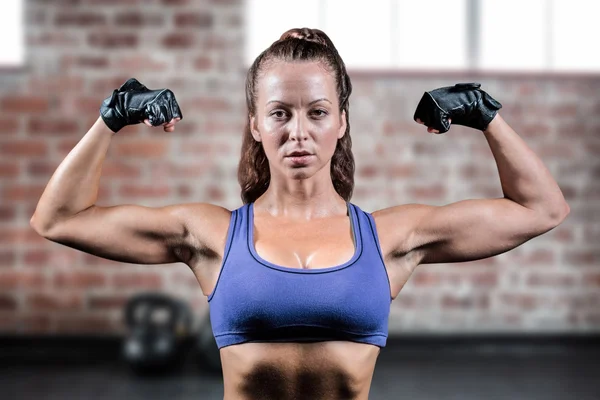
{"x": 299, "y": 280}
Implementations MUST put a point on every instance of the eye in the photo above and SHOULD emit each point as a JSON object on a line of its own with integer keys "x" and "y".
{"x": 278, "y": 113}
{"x": 320, "y": 113}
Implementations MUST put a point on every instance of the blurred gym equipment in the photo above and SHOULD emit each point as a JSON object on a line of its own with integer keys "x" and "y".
{"x": 158, "y": 326}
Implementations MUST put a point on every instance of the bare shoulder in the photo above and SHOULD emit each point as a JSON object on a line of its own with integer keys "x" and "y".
{"x": 396, "y": 226}
{"x": 207, "y": 225}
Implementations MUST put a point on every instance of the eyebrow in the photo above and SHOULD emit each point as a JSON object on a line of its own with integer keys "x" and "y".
{"x": 289, "y": 105}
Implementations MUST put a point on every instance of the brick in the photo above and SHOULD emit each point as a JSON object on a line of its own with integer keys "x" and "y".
{"x": 7, "y": 213}
{"x": 137, "y": 280}
{"x": 220, "y": 128}
{"x": 36, "y": 18}
{"x": 582, "y": 257}
{"x": 52, "y": 39}
{"x": 37, "y": 257}
{"x": 552, "y": 279}
{"x": 193, "y": 20}
{"x": 113, "y": 40}
{"x": 591, "y": 233}
{"x": 107, "y": 302}
{"x": 140, "y": 63}
{"x": 21, "y": 279}
{"x": 228, "y": 3}
{"x": 476, "y": 171}
{"x": 24, "y": 104}
{"x": 60, "y": 84}
{"x": 54, "y": 301}
{"x": 368, "y": 171}
{"x": 203, "y": 63}
{"x": 592, "y": 279}
{"x": 9, "y": 170}
{"x": 175, "y": 2}
{"x": 521, "y": 257}
{"x": 55, "y": 127}
{"x": 563, "y": 234}
{"x": 79, "y": 19}
{"x": 556, "y": 151}
{"x": 178, "y": 41}
{"x": 431, "y": 192}
{"x": 169, "y": 169}
{"x": 215, "y": 43}
{"x": 79, "y": 280}
{"x": 35, "y": 323}
{"x": 121, "y": 170}
{"x": 486, "y": 278}
{"x": 465, "y": 303}
{"x": 56, "y": 3}
{"x": 19, "y": 192}
{"x": 431, "y": 148}
{"x": 7, "y": 302}
{"x": 115, "y": 2}
{"x": 85, "y": 62}
{"x": 184, "y": 191}
{"x": 8, "y": 257}
{"x": 50, "y": 257}
{"x": 591, "y": 192}
{"x": 484, "y": 190}
{"x": 524, "y": 302}
{"x": 24, "y": 148}
{"x": 400, "y": 171}
{"x": 25, "y": 323}
{"x": 141, "y": 148}
{"x": 214, "y": 194}
{"x": 83, "y": 106}
{"x": 138, "y": 20}
{"x": 41, "y": 169}
{"x": 84, "y": 324}
{"x": 20, "y": 235}
{"x": 565, "y": 110}
{"x": 8, "y": 127}
{"x": 144, "y": 191}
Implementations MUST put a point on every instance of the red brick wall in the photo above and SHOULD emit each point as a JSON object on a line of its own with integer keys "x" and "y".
{"x": 78, "y": 51}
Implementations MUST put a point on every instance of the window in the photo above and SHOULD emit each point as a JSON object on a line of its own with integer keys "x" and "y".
{"x": 11, "y": 34}
{"x": 532, "y": 35}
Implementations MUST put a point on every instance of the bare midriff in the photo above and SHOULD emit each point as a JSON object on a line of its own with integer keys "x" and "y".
{"x": 331, "y": 370}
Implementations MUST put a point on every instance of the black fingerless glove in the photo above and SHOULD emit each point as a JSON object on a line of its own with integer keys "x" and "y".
{"x": 133, "y": 102}
{"x": 464, "y": 103}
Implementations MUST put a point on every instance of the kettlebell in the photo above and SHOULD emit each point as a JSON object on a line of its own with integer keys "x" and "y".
{"x": 158, "y": 326}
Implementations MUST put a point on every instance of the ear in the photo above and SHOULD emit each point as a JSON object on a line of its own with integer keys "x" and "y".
{"x": 343, "y": 125}
{"x": 255, "y": 132}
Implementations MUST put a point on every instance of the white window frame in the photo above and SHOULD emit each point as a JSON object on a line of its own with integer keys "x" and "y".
{"x": 555, "y": 44}
{"x": 12, "y": 46}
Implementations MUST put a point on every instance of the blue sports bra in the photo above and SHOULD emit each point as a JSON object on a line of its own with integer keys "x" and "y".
{"x": 257, "y": 301}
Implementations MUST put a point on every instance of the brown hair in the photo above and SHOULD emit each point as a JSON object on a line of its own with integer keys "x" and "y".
{"x": 296, "y": 45}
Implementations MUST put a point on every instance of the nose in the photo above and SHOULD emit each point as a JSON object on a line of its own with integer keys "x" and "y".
{"x": 297, "y": 130}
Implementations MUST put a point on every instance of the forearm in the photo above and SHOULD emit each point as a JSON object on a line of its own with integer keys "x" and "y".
{"x": 524, "y": 177}
{"x": 74, "y": 185}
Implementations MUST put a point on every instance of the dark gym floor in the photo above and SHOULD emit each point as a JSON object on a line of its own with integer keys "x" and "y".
{"x": 415, "y": 370}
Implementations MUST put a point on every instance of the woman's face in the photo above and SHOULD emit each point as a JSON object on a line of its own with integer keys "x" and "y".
{"x": 297, "y": 110}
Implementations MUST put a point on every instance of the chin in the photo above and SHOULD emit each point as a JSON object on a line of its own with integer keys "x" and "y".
{"x": 299, "y": 173}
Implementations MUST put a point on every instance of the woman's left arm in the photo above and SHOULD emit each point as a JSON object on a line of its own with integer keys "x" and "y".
{"x": 479, "y": 228}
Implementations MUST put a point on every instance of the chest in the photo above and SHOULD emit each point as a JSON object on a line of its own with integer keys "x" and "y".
{"x": 305, "y": 246}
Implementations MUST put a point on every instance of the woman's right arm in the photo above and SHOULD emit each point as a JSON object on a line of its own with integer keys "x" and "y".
{"x": 66, "y": 213}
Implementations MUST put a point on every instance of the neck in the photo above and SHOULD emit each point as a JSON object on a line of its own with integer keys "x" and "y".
{"x": 302, "y": 208}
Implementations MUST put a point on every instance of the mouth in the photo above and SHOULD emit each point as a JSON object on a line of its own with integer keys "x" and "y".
{"x": 299, "y": 154}
{"x": 299, "y": 158}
